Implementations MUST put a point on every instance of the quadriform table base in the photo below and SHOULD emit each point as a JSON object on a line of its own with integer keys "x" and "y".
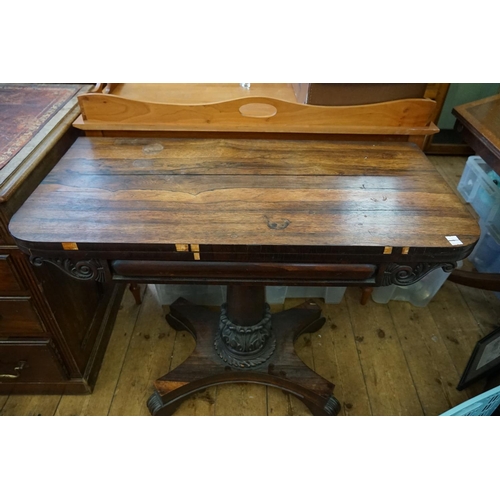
{"x": 244, "y": 343}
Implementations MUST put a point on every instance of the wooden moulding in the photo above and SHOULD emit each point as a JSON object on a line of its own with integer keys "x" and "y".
{"x": 411, "y": 117}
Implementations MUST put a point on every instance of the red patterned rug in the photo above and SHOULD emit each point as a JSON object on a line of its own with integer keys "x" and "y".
{"x": 24, "y": 110}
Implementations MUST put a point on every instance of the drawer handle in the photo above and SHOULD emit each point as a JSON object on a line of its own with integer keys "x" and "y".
{"x": 18, "y": 368}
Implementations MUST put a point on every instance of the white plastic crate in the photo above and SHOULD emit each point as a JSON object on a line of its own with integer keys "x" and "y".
{"x": 469, "y": 180}
{"x": 493, "y": 221}
{"x": 419, "y": 294}
{"x": 486, "y": 253}
{"x": 331, "y": 294}
{"x": 480, "y": 186}
{"x": 202, "y": 295}
{"x": 486, "y": 196}
{"x": 214, "y": 295}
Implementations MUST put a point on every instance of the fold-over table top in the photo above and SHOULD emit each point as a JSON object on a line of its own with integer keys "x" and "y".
{"x": 244, "y": 192}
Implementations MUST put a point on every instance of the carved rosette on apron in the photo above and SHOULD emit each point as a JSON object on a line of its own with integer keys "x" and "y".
{"x": 408, "y": 274}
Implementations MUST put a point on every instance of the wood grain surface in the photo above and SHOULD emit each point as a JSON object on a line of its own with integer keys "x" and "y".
{"x": 478, "y": 123}
{"x": 409, "y": 117}
{"x": 200, "y": 93}
{"x": 483, "y": 117}
{"x": 434, "y": 346}
{"x": 244, "y": 192}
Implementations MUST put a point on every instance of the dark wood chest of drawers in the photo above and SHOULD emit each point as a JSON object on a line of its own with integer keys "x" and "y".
{"x": 53, "y": 329}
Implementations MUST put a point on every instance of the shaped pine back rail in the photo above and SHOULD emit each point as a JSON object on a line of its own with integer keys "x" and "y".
{"x": 406, "y": 117}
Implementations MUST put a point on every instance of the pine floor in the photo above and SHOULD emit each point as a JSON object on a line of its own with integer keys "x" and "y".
{"x": 384, "y": 359}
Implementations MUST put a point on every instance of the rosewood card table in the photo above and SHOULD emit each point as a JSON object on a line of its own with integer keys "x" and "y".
{"x": 244, "y": 213}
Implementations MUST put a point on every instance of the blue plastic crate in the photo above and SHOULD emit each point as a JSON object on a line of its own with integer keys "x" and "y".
{"x": 480, "y": 406}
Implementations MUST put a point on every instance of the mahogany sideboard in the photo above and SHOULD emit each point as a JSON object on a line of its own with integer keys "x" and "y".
{"x": 53, "y": 329}
{"x": 244, "y": 213}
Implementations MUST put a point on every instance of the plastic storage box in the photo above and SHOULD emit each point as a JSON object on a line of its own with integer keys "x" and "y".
{"x": 203, "y": 295}
{"x": 486, "y": 254}
{"x": 493, "y": 221}
{"x": 419, "y": 294}
{"x": 469, "y": 180}
{"x": 331, "y": 295}
{"x": 215, "y": 295}
{"x": 483, "y": 405}
{"x": 480, "y": 186}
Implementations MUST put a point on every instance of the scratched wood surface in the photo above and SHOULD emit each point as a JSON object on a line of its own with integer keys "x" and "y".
{"x": 406, "y": 360}
{"x": 482, "y": 121}
{"x": 256, "y": 192}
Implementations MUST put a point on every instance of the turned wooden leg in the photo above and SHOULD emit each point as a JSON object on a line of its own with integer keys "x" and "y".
{"x": 136, "y": 292}
{"x": 367, "y": 292}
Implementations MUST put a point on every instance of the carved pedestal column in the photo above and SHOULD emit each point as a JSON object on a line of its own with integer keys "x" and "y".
{"x": 245, "y": 337}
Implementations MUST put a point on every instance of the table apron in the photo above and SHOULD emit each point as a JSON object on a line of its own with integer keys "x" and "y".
{"x": 271, "y": 273}
{"x": 250, "y": 272}
{"x": 378, "y": 272}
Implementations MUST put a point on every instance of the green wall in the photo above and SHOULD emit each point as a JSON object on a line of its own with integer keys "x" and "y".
{"x": 460, "y": 93}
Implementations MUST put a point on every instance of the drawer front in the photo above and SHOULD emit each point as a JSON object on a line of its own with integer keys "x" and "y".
{"x": 3, "y": 234}
{"x": 9, "y": 281}
{"x": 30, "y": 362}
{"x": 19, "y": 318}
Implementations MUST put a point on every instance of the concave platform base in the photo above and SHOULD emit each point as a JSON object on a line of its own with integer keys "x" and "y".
{"x": 204, "y": 368}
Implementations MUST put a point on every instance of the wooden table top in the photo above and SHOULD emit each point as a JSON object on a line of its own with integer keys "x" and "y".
{"x": 243, "y": 192}
{"x": 482, "y": 120}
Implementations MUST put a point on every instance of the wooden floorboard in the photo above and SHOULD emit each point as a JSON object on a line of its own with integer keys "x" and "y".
{"x": 148, "y": 357}
{"x": 459, "y": 329}
{"x": 387, "y": 376}
{"x": 337, "y": 359}
{"x": 384, "y": 359}
{"x": 433, "y": 372}
{"x": 3, "y": 400}
{"x": 30, "y": 406}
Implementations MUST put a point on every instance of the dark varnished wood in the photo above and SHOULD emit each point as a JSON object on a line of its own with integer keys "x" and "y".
{"x": 204, "y": 367}
{"x": 24, "y": 362}
{"x": 18, "y": 318}
{"x": 245, "y": 304}
{"x": 249, "y": 272}
{"x": 10, "y": 281}
{"x": 243, "y": 213}
{"x": 479, "y": 124}
{"x": 59, "y": 325}
{"x": 136, "y": 292}
{"x": 159, "y": 191}
{"x": 485, "y": 281}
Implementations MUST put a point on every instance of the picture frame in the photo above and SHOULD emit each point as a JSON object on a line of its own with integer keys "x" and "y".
{"x": 484, "y": 360}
